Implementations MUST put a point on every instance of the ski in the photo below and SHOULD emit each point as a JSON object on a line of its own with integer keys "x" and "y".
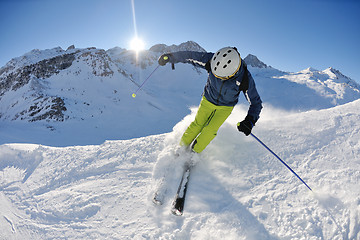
{"x": 179, "y": 201}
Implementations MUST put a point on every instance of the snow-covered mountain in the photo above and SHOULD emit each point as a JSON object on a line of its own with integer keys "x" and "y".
{"x": 77, "y": 91}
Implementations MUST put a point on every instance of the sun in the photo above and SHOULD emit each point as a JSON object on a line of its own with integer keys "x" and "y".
{"x": 137, "y": 44}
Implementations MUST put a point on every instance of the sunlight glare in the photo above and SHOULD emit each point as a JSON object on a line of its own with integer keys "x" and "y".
{"x": 137, "y": 44}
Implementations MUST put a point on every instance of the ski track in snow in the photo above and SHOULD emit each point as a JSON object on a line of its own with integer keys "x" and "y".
{"x": 238, "y": 190}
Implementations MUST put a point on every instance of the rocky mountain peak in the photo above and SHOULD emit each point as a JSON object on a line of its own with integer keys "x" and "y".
{"x": 253, "y": 61}
{"x": 335, "y": 73}
{"x": 186, "y": 46}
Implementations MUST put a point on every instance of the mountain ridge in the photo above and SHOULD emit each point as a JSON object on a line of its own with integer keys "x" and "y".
{"x": 91, "y": 85}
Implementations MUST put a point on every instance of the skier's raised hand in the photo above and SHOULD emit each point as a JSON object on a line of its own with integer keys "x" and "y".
{"x": 164, "y": 59}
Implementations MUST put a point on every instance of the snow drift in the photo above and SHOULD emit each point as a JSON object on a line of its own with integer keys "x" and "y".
{"x": 237, "y": 190}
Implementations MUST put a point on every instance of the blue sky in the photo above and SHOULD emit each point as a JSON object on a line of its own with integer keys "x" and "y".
{"x": 286, "y": 34}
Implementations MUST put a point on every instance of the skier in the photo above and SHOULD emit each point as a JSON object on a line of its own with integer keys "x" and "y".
{"x": 228, "y": 76}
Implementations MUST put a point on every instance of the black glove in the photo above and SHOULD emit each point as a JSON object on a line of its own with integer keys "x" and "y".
{"x": 246, "y": 125}
{"x": 164, "y": 59}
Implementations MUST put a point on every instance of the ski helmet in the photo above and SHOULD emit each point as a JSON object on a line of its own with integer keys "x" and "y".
{"x": 225, "y": 63}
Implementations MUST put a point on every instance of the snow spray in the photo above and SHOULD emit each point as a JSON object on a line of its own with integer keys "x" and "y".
{"x": 134, "y": 94}
{"x": 326, "y": 201}
{"x": 281, "y": 161}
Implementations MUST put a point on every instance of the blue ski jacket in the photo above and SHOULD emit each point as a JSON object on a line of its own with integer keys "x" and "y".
{"x": 224, "y": 92}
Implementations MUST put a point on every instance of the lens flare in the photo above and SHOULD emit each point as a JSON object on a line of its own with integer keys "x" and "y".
{"x": 137, "y": 44}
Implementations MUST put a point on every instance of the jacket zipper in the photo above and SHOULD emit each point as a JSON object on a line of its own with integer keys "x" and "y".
{"x": 217, "y": 100}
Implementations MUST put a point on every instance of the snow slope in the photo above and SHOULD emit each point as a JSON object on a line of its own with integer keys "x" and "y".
{"x": 237, "y": 191}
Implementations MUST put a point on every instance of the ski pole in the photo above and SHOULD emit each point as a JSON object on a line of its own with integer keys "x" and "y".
{"x": 134, "y": 94}
{"x": 281, "y": 161}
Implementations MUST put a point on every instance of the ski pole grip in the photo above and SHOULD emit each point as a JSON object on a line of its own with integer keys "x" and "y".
{"x": 173, "y": 66}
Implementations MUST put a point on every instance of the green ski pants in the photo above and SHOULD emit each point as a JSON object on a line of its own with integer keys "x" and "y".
{"x": 204, "y": 128}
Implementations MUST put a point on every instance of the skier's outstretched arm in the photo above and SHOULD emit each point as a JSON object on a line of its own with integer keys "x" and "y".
{"x": 196, "y": 58}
